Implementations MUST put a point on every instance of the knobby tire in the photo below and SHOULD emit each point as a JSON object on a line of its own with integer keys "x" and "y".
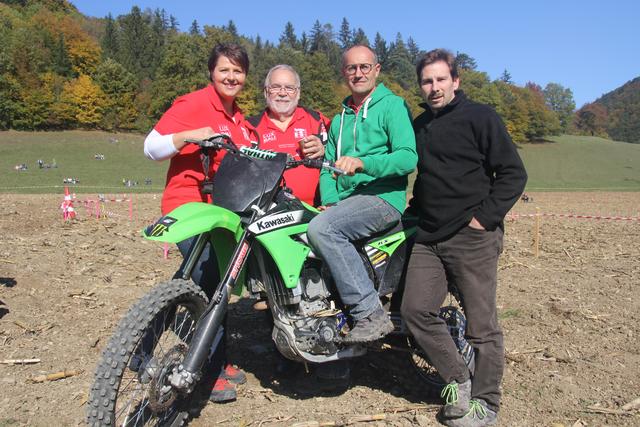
{"x": 159, "y": 326}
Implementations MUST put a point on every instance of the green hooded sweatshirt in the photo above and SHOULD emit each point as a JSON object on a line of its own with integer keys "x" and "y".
{"x": 381, "y": 135}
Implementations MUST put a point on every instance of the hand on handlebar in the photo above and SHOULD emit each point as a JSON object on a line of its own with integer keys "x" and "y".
{"x": 179, "y": 139}
{"x": 350, "y": 165}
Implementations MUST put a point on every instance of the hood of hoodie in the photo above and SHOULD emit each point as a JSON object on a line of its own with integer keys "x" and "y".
{"x": 379, "y": 92}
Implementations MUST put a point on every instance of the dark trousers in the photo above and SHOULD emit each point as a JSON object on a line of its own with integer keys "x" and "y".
{"x": 206, "y": 275}
{"x": 469, "y": 261}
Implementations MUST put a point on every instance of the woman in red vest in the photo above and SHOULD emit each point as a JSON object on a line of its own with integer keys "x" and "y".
{"x": 198, "y": 115}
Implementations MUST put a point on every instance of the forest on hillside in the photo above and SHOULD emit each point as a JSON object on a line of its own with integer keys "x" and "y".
{"x": 62, "y": 70}
{"x": 614, "y": 115}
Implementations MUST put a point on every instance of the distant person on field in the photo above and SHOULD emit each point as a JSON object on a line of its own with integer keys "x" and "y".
{"x": 199, "y": 115}
{"x": 469, "y": 176}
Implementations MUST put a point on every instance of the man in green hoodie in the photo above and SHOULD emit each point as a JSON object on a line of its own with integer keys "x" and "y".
{"x": 373, "y": 141}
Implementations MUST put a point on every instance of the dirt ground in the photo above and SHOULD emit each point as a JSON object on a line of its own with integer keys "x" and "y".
{"x": 571, "y": 320}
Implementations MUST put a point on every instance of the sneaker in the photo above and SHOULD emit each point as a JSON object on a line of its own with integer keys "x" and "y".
{"x": 456, "y": 399}
{"x": 223, "y": 391}
{"x": 479, "y": 415}
{"x": 233, "y": 375}
{"x": 370, "y": 328}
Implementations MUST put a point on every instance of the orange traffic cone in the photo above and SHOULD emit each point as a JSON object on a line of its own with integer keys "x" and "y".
{"x": 68, "y": 212}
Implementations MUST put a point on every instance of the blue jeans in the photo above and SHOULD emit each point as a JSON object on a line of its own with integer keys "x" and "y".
{"x": 331, "y": 234}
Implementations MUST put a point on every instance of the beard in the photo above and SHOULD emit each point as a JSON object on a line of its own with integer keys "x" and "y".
{"x": 283, "y": 108}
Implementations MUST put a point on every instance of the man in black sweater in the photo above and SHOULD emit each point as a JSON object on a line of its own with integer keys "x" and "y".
{"x": 469, "y": 176}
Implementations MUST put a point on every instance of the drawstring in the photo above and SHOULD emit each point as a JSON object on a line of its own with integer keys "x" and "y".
{"x": 340, "y": 135}
{"x": 364, "y": 116}
{"x": 366, "y": 107}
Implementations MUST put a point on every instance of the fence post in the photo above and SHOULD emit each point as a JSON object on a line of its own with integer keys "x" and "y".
{"x": 536, "y": 235}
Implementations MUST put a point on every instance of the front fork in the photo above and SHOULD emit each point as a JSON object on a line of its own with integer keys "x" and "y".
{"x": 186, "y": 375}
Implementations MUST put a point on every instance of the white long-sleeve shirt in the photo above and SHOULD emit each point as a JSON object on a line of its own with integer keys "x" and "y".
{"x": 159, "y": 147}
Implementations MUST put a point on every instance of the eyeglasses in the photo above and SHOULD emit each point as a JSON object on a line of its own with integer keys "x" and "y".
{"x": 277, "y": 88}
{"x": 351, "y": 69}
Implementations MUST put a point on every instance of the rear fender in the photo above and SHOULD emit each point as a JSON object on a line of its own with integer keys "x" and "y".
{"x": 190, "y": 220}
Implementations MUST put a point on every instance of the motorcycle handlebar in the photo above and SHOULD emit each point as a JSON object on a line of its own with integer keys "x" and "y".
{"x": 322, "y": 164}
{"x": 223, "y": 141}
{"x": 218, "y": 140}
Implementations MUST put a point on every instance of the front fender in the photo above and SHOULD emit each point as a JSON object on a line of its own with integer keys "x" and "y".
{"x": 190, "y": 220}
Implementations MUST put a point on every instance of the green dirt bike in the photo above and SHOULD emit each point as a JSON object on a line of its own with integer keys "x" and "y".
{"x": 154, "y": 362}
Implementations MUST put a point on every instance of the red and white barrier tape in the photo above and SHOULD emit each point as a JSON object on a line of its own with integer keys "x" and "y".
{"x": 597, "y": 217}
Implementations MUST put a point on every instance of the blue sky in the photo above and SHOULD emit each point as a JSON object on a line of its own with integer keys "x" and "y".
{"x": 591, "y": 47}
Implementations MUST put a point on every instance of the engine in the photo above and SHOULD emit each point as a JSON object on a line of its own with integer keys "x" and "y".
{"x": 306, "y": 321}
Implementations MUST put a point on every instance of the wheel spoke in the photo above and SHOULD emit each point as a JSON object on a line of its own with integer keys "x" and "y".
{"x": 144, "y": 350}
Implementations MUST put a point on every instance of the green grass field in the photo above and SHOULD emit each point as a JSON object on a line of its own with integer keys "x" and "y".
{"x": 568, "y": 163}
{"x": 581, "y": 163}
{"x": 73, "y": 152}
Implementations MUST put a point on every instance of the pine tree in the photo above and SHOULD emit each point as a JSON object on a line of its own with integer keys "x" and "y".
{"x": 173, "y": 24}
{"x": 399, "y": 63}
{"x": 344, "y": 36}
{"x": 288, "y": 37}
{"x": 232, "y": 29}
{"x": 506, "y": 77}
{"x": 194, "y": 30}
{"x": 465, "y": 62}
{"x": 109, "y": 41}
{"x": 360, "y": 38}
{"x": 119, "y": 87}
{"x": 316, "y": 39}
{"x": 135, "y": 43}
{"x": 413, "y": 49}
{"x": 60, "y": 59}
{"x": 380, "y": 47}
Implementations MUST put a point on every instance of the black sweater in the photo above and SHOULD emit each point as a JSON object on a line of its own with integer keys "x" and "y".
{"x": 467, "y": 166}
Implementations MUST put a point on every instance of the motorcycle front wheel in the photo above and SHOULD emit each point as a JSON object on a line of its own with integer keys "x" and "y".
{"x": 131, "y": 385}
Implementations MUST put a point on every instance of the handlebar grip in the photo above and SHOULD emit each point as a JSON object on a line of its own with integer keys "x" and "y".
{"x": 332, "y": 167}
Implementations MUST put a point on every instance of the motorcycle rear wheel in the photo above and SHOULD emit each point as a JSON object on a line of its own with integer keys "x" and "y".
{"x": 130, "y": 387}
{"x": 456, "y": 323}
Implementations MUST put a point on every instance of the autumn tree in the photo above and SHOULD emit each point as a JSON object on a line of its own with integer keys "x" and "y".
{"x": 560, "y": 100}
{"x": 86, "y": 100}
{"x": 592, "y": 119}
{"x": 478, "y": 87}
{"x": 542, "y": 121}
